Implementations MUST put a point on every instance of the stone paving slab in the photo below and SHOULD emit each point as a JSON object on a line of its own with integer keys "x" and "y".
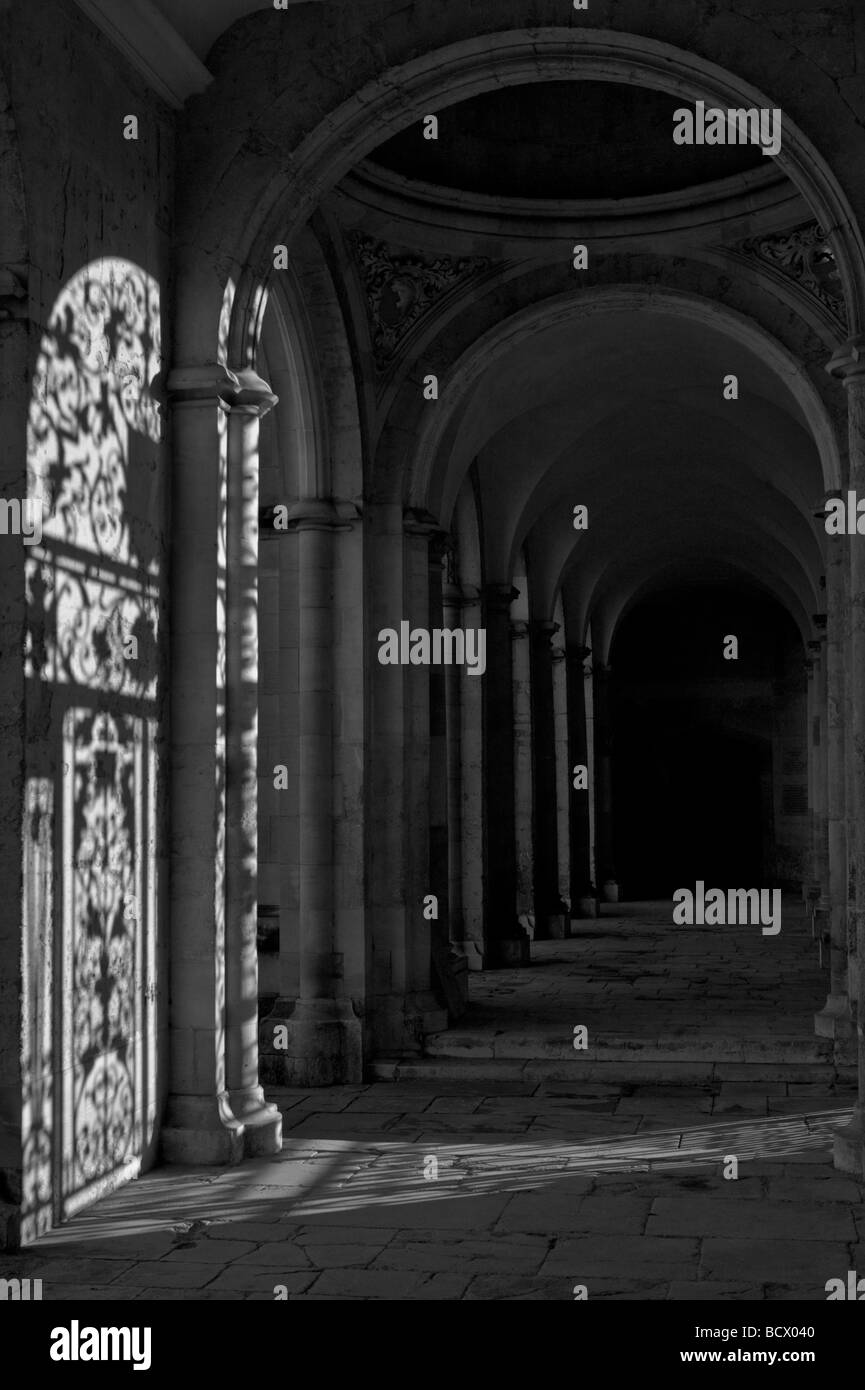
{"x": 430, "y": 1250}
{"x": 653, "y": 1257}
{"x": 787, "y": 1262}
{"x": 248, "y": 1279}
{"x": 726, "y": 1216}
{"x": 168, "y": 1274}
{"x": 388, "y": 1284}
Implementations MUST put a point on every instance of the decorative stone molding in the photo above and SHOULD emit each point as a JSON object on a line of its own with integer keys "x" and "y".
{"x": 141, "y": 32}
{"x": 803, "y": 254}
{"x": 402, "y": 288}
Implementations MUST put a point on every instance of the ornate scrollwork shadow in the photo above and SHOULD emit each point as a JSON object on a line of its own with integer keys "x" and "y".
{"x": 94, "y": 603}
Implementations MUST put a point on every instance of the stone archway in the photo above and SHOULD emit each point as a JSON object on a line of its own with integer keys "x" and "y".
{"x": 442, "y": 77}
{"x": 273, "y": 201}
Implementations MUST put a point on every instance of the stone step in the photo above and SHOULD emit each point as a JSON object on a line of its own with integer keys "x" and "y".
{"x": 636, "y": 1071}
{"x": 698, "y": 1048}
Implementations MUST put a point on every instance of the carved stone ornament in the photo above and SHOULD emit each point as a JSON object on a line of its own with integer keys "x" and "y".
{"x": 401, "y": 289}
{"x": 805, "y": 255}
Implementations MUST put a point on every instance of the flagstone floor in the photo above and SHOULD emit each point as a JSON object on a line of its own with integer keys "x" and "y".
{"x": 527, "y": 1172}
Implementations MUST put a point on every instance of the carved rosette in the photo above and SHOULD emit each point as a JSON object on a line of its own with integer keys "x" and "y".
{"x": 402, "y": 288}
{"x": 805, "y": 255}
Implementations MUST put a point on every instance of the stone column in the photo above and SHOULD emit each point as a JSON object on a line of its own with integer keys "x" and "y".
{"x": 386, "y": 791}
{"x": 563, "y": 779}
{"x": 821, "y": 845}
{"x": 402, "y": 1008}
{"x": 549, "y": 909}
{"x": 452, "y": 617}
{"x": 817, "y": 765}
{"x": 439, "y": 867}
{"x": 849, "y": 364}
{"x": 465, "y": 786}
{"x": 263, "y": 1122}
{"x": 582, "y": 868}
{"x": 200, "y": 1126}
{"x": 523, "y": 848}
{"x": 506, "y": 942}
{"x": 424, "y": 699}
{"x": 322, "y": 1032}
{"x": 449, "y": 964}
{"x": 817, "y": 889}
{"x": 604, "y": 777}
{"x": 834, "y": 1020}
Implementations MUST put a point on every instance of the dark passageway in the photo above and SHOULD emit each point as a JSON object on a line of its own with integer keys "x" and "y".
{"x": 705, "y": 749}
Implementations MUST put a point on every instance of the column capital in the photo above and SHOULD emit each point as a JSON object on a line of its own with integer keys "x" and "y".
{"x": 543, "y": 631}
{"x": 461, "y": 595}
{"x": 519, "y": 629}
{"x": 499, "y": 597}
{"x": 439, "y": 543}
{"x": 308, "y": 514}
{"x": 244, "y": 391}
{"x": 848, "y": 361}
{"x": 210, "y": 382}
{"x": 558, "y": 654}
{"x": 418, "y": 522}
{"x": 254, "y": 396}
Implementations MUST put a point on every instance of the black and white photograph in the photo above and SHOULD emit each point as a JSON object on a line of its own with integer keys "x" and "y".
{"x": 432, "y": 668}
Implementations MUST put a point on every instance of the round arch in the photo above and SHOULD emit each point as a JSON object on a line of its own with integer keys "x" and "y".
{"x": 437, "y": 433}
{"x": 445, "y": 76}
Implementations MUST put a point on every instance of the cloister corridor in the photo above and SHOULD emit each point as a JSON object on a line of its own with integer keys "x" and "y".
{"x": 432, "y": 651}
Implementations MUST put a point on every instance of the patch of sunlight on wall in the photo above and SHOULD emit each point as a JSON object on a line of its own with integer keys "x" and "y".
{"x": 91, "y": 663}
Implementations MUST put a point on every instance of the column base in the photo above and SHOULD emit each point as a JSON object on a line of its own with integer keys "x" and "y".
{"x": 201, "y": 1129}
{"x": 318, "y": 1043}
{"x": 472, "y": 953}
{"x": 10, "y": 1228}
{"x": 459, "y": 971}
{"x": 262, "y": 1122}
{"x": 402, "y": 1021}
{"x": 833, "y": 1020}
{"x": 849, "y": 1147}
{"x": 509, "y": 951}
{"x": 556, "y": 926}
{"x": 11, "y": 1185}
